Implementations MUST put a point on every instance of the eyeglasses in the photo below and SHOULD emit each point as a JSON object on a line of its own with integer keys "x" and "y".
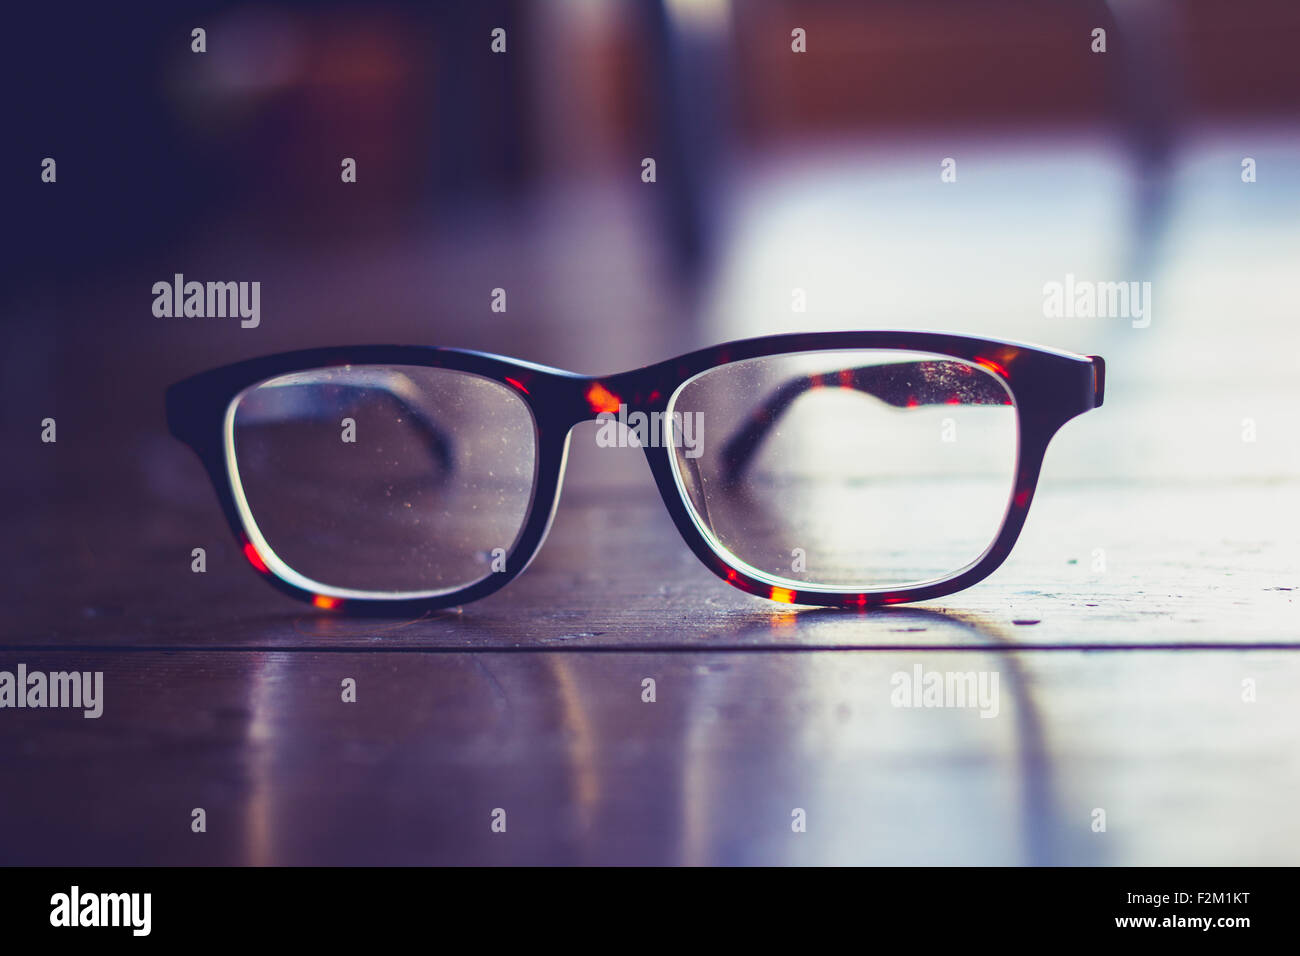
{"x": 841, "y": 469}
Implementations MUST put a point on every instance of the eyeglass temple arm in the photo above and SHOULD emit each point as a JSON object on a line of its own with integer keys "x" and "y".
{"x": 900, "y": 384}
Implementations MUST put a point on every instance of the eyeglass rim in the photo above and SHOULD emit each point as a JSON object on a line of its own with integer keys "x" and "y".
{"x": 1049, "y": 387}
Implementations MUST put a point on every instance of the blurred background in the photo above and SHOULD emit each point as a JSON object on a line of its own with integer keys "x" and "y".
{"x": 779, "y": 176}
{"x": 792, "y": 191}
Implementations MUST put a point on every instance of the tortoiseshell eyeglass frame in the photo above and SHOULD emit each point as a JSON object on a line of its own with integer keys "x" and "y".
{"x": 1047, "y": 387}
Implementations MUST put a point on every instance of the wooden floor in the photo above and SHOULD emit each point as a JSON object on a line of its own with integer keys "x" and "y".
{"x": 1154, "y": 587}
{"x": 224, "y": 695}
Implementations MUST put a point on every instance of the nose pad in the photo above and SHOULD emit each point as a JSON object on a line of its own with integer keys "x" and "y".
{"x": 555, "y": 501}
{"x": 693, "y": 487}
